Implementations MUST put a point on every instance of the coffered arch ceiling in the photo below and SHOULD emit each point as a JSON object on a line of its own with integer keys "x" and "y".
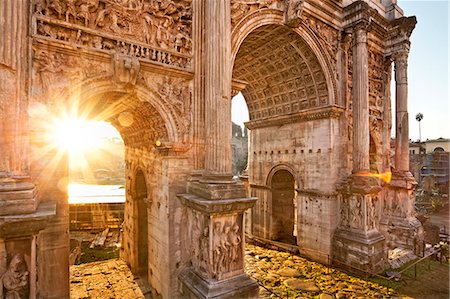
{"x": 282, "y": 73}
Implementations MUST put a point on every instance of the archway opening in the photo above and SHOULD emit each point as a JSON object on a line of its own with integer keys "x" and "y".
{"x": 143, "y": 127}
{"x": 283, "y": 78}
{"x": 240, "y": 134}
{"x": 282, "y": 203}
{"x": 141, "y": 199}
{"x": 96, "y": 176}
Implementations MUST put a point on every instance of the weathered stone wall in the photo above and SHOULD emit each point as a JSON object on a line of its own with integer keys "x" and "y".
{"x": 166, "y": 177}
{"x": 313, "y": 151}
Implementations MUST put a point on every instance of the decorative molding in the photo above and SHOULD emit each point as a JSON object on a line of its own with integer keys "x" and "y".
{"x": 309, "y": 115}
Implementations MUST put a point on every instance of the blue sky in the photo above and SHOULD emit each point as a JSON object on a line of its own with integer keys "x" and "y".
{"x": 428, "y": 71}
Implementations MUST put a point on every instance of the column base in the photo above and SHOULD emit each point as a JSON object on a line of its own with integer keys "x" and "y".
{"x": 402, "y": 232}
{"x": 213, "y": 189}
{"x": 359, "y": 251}
{"x": 194, "y": 286}
{"x": 399, "y": 225}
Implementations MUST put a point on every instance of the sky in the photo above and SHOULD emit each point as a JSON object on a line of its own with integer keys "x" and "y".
{"x": 428, "y": 72}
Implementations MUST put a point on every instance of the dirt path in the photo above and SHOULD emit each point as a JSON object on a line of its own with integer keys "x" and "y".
{"x": 432, "y": 285}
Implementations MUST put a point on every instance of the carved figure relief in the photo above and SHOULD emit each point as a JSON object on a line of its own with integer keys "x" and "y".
{"x": 372, "y": 215}
{"x": 240, "y": 8}
{"x": 328, "y": 36}
{"x": 125, "y": 69}
{"x": 293, "y": 12}
{"x": 177, "y": 95}
{"x": 14, "y": 282}
{"x": 234, "y": 239}
{"x": 155, "y": 30}
{"x": 345, "y": 211}
{"x": 356, "y": 212}
{"x": 56, "y": 72}
{"x": 227, "y": 245}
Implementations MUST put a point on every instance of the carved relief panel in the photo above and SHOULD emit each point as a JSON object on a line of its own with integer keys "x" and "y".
{"x": 176, "y": 94}
{"x": 153, "y": 30}
{"x": 216, "y": 244}
{"x": 54, "y": 73}
{"x": 359, "y": 211}
{"x": 14, "y": 269}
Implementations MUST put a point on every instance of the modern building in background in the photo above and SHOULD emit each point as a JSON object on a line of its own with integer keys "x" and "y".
{"x": 430, "y": 164}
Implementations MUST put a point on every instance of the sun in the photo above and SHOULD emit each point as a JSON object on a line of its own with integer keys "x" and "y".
{"x": 76, "y": 135}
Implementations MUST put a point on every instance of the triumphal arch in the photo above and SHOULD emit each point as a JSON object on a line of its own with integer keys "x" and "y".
{"x": 316, "y": 77}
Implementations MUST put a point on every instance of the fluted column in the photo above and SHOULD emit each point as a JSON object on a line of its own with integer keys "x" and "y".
{"x": 360, "y": 78}
{"x": 401, "y": 112}
{"x": 13, "y": 76}
{"x": 217, "y": 61}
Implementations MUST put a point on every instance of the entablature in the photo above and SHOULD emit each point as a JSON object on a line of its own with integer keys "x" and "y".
{"x": 303, "y": 116}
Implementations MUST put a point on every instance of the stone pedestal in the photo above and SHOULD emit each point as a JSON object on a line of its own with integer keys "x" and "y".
{"x": 357, "y": 242}
{"x": 399, "y": 224}
{"x": 18, "y": 234}
{"x": 215, "y": 211}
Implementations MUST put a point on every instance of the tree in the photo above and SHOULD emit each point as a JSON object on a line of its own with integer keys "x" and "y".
{"x": 419, "y": 117}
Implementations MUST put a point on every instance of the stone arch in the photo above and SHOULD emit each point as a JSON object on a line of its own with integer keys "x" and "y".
{"x": 97, "y": 86}
{"x": 265, "y": 17}
{"x": 278, "y": 167}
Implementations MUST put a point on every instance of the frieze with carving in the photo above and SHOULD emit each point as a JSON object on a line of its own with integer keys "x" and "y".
{"x": 154, "y": 30}
{"x": 165, "y": 24}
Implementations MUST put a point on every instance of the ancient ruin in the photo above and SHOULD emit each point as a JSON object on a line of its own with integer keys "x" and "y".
{"x": 316, "y": 77}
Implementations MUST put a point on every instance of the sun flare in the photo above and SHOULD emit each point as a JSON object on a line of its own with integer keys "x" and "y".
{"x": 76, "y": 135}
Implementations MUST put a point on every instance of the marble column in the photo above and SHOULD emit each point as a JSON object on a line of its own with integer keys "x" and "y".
{"x": 215, "y": 203}
{"x": 399, "y": 224}
{"x": 217, "y": 87}
{"x": 360, "y": 110}
{"x": 357, "y": 241}
{"x": 17, "y": 192}
{"x": 401, "y": 112}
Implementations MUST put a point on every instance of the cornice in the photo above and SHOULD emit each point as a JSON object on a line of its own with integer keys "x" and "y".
{"x": 303, "y": 116}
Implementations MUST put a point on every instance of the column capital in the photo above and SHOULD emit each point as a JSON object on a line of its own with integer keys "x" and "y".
{"x": 401, "y": 66}
{"x": 359, "y": 31}
{"x": 400, "y": 55}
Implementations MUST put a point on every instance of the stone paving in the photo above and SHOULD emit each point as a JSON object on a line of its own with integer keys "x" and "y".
{"x": 290, "y": 276}
{"x": 285, "y": 275}
{"x": 103, "y": 280}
